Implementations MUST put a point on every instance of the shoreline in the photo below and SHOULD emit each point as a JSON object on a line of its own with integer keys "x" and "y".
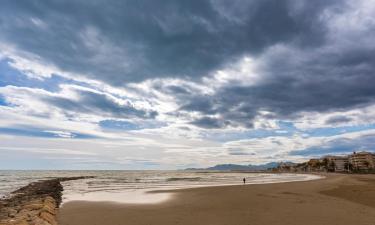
{"x": 34, "y": 204}
{"x": 156, "y": 195}
{"x": 338, "y": 199}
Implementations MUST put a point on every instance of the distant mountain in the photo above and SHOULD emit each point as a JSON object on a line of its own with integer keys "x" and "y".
{"x": 228, "y": 167}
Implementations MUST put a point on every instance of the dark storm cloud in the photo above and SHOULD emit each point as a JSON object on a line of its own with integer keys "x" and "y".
{"x": 209, "y": 123}
{"x": 121, "y": 41}
{"x": 306, "y": 62}
{"x": 286, "y": 96}
{"x": 177, "y": 90}
{"x": 97, "y": 104}
{"x": 336, "y": 76}
{"x": 338, "y": 119}
{"x": 204, "y": 104}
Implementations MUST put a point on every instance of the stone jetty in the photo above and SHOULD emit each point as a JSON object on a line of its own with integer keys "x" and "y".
{"x": 34, "y": 204}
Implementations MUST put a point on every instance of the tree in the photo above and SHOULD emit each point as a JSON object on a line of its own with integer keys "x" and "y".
{"x": 349, "y": 166}
{"x": 331, "y": 166}
{"x": 367, "y": 164}
{"x": 325, "y": 163}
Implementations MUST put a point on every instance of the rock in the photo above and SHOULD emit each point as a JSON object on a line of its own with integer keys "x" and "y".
{"x": 48, "y": 217}
{"x": 39, "y": 221}
{"x": 27, "y": 214}
{"x": 22, "y": 222}
{"x": 12, "y": 213}
{"x": 15, "y": 222}
{"x": 49, "y": 209}
{"x": 49, "y": 200}
{"x": 34, "y": 204}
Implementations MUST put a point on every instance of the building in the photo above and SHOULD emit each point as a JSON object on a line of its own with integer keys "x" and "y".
{"x": 287, "y": 167}
{"x": 315, "y": 165}
{"x": 362, "y": 160}
{"x": 337, "y": 163}
{"x": 358, "y": 162}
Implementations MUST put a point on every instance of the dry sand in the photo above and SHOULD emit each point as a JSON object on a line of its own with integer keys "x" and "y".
{"x": 338, "y": 199}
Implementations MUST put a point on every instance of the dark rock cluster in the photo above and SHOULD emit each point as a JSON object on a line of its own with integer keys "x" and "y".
{"x": 34, "y": 204}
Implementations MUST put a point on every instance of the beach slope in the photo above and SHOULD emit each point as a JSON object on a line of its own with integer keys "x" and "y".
{"x": 338, "y": 199}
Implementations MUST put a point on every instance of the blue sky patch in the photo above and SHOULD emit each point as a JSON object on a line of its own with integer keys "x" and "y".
{"x": 36, "y": 132}
{"x": 118, "y": 125}
{"x": 2, "y": 101}
{"x": 14, "y": 77}
{"x": 332, "y": 131}
{"x": 128, "y": 126}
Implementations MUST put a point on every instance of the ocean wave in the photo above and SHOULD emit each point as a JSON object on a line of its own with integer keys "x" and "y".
{"x": 184, "y": 179}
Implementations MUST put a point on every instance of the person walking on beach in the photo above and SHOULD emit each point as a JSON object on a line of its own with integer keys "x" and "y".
{"x": 244, "y": 180}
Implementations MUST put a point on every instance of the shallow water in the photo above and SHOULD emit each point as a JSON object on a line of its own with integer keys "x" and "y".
{"x": 133, "y": 186}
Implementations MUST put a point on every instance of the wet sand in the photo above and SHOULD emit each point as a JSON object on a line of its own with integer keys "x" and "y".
{"x": 338, "y": 199}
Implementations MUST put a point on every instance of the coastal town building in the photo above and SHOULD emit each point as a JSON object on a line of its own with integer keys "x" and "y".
{"x": 315, "y": 165}
{"x": 362, "y": 160}
{"x": 337, "y": 163}
{"x": 287, "y": 167}
{"x": 356, "y": 162}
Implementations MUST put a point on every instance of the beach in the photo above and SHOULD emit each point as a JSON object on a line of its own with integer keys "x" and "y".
{"x": 338, "y": 199}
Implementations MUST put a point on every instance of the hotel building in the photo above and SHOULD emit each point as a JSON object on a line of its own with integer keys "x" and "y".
{"x": 339, "y": 163}
{"x": 362, "y": 160}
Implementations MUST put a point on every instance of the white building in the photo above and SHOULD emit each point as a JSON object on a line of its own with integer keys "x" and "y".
{"x": 362, "y": 160}
{"x": 338, "y": 163}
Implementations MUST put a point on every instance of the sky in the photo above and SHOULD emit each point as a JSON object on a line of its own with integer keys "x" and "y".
{"x": 166, "y": 84}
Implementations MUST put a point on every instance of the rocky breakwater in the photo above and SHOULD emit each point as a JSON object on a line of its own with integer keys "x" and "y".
{"x": 34, "y": 204}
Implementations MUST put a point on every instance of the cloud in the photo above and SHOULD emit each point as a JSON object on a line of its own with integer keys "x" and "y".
{"x": 98, "y": 103}
{"x": 338, "y": 120}
{"x": 164, "y": 78}
{"x": 291, "y": 59}
{"x": 208, "y": 122}
{"x": 300, "y": 147}
{"x": 74, "y": 100}
{"x": 127, "y": 41}
{"x": 334, "y": 75}
{"x": 339, "y": 146}
{"x": 62, "y": 134}
{"x": 29, "y": 131}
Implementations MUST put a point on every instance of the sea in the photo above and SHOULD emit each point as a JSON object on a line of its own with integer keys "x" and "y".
{"x": 138, "y": 187}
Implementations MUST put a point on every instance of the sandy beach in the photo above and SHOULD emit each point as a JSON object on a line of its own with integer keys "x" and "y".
{"x": 337, "y": 199}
